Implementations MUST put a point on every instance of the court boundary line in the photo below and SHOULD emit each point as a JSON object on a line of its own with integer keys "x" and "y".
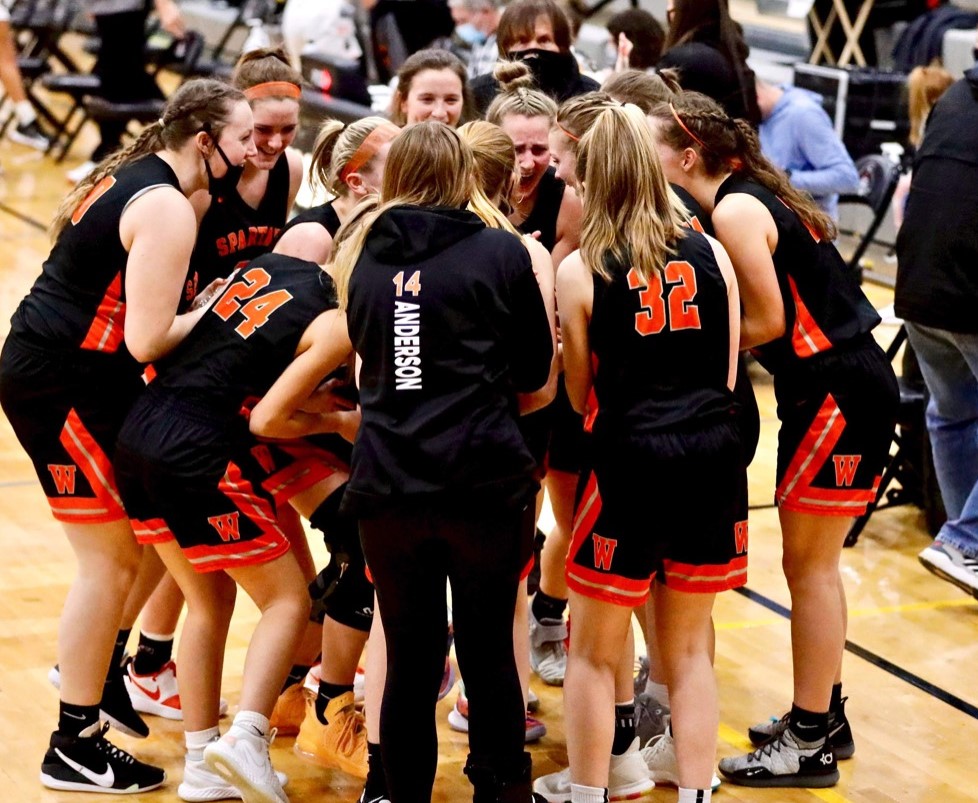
{"x": 877, "y": 660}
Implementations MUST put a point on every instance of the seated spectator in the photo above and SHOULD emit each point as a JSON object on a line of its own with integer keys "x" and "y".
{"x": 538, "y": 33}
{"x": 26, "y": 131}
{"x": 797, "y": 136}
{"x": 643, "y": 36}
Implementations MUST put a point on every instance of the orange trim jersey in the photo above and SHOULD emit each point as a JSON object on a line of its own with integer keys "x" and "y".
{"x": 79, "y": 300}
{"x": 824, "y": 306}
{"x": 232, "y": 232}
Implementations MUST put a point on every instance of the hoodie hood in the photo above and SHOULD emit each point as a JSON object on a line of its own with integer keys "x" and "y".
{"x": 408, "y": 234}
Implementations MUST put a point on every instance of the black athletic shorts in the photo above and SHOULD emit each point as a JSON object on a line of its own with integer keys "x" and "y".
{"x": 838, "y": 413}
{"x": 66, "y": 410}
{"x": 189, "y": 475}
{"x": 668, "y": 504}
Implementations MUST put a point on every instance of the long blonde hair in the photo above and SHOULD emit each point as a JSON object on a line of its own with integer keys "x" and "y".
{"x": 202, "y": 104}
{"x": 628, "y": 212}
{"x": 495, "y": 163}
{"x": 428, "y": 165}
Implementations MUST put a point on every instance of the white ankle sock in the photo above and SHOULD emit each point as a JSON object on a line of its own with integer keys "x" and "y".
{"x": 196, "y": 741}
{"x": 25, "y": 112}
{"x": 695, "y": 795}
{"x": 588, "y": 794}
{"x": 250, "y": 722}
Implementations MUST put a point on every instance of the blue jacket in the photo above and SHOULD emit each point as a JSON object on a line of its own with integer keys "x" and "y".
{"x": 798, "y": 136}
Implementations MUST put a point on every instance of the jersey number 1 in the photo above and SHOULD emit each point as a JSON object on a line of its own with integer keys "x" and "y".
{"x": 680, "y": 279}
{"x": 258, "y": 310}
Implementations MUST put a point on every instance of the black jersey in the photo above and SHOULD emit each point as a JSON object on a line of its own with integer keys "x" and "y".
{"x": 824, "y": 307}
{"x": 249, "y": 335}
{"x": 696, "y": 219}
{"x": 79, "y": 300}
{"x": 449, "y": 321}
{"x": 662, "y": 346}
{"x": 324, "y": 215}
{"x": 543, "y": 216}
{"x": 232, "y": 232}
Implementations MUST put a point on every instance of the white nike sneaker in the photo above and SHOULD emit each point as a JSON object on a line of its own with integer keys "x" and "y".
{"x": 242, "y": 759}
{"x": 660, "y": 758}
{"x": 627, "y": 779}
{"x": 157, "y": 693}
{"x": 200, "y": 783}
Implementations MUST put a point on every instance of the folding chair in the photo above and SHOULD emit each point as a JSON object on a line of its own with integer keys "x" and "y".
{"x": 878, "y": 179}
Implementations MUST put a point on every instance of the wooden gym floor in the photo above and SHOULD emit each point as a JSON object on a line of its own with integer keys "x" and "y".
{"x": 909, "y": 671}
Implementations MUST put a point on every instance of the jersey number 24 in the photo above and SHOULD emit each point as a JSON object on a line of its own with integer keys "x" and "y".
{"x": 258, "y": 309}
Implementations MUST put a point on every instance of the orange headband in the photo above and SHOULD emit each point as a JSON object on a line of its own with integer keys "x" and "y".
{"x": 682, "y": 125}
{"x": 381, "y": 135}
{"x": 273, "y": 89}
{"x": 566, "y": 133}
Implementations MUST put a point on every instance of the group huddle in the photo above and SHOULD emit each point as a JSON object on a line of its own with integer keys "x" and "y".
{"x": 193, "y": 371}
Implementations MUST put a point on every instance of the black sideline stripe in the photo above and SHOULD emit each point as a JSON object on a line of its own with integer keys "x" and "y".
{"x": 22, "y": 217}
{"x": 887, "y": 666}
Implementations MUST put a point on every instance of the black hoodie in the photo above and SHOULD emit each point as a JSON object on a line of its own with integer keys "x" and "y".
{"x": 450, "y": 324}
{"x": 937, "y": 245}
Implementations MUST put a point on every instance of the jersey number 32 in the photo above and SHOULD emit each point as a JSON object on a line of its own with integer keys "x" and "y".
{"x": 671, "y": 305}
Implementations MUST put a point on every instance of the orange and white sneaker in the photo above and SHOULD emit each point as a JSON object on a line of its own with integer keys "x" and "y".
{"x": 290, "y": 709}
{"x": 157, "y": 693}
{"x": 342, "y": 743}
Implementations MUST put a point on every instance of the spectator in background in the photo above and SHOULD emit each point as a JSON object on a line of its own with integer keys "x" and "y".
{"x": 121, "y": 63}
{"x": 480, "y": 31}
{"x": 402, "y": 27}
{"x": 936, "y": 294}
{"x": 925, "y": 85}
{"x": 538, "y": 33}
{"x": 324, "y": 27}
{"x": 797, "y": 136}
{"x": 644, "y": 38}
{"x": 26, "y": 131}
{"x": 708, "y": 49}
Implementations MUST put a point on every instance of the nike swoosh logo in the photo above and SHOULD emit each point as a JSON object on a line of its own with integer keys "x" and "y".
{"x": 153, "y": 695}
{"x": 73, "y": 716}
{"x": 835, "y": 730}
{"x": 103, "y": 779}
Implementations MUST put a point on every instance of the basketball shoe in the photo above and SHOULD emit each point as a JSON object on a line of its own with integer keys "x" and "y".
{"x": 342, "y": 742}
{"x": 840, "y": 733}
{"x": 201, "y": 783}
{"x": 91, "y": 763}
{"x": 628, "y": 779}
{"x": 784, "y": 762}
{"x": 241, "y": 758}
{"x": 659, "y": 755}
{"x": 458, "y": 719}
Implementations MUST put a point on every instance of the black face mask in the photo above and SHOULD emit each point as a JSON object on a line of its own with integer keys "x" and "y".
{"x": 226, "y": 185}
{"x": 553, "y": 72}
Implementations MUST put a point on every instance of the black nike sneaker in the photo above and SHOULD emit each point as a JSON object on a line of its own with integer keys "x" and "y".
{"x": 90, "y": 763}
{"x": 784, "y": 761}
{"x": 840, "y": 733}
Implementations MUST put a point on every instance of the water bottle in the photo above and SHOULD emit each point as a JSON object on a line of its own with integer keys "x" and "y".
{"x": 257, "y": 36}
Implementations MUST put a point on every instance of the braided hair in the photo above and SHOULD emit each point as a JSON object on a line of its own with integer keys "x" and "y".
{"x": 727, "y": 145}
{"x": 199, "y": 105}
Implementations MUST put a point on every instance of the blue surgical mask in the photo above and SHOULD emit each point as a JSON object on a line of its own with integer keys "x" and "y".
{"x": 469, "y": 34}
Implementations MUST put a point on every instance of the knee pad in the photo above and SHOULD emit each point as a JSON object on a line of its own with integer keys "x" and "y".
{"x": 341, "y": 590}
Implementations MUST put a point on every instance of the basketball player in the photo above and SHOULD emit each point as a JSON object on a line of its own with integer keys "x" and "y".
{"x": 654, "y": 306}
{"x": 106, "y": 302}
{"x": 808, "y": 323}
